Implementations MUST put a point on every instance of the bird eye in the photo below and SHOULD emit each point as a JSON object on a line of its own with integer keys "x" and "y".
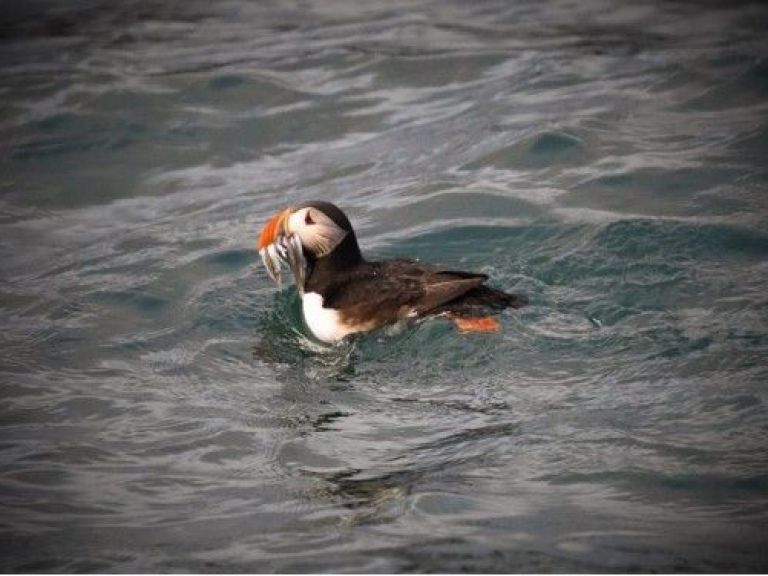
{"x": 308, "y": 219}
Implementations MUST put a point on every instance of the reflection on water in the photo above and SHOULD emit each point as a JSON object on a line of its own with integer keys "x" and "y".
{"x": 162, "y": 408}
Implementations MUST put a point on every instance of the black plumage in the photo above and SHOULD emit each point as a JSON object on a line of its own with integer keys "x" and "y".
{"x": 378, "y": 293}
{"x": 343, "y": 293}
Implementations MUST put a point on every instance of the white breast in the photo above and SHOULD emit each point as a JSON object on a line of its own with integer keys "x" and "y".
{"x": 324, "y": 323}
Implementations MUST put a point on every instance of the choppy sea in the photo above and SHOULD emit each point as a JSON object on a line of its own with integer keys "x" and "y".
{"x": 161, "y": 408}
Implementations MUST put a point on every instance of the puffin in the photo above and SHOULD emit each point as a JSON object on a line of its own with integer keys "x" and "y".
{"x": 342, "y": 293}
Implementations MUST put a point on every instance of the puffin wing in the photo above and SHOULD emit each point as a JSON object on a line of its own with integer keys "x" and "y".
{"x": 399, "y": 289}
{"x": 443, "y": 287}
{"x": 428, "y": 287}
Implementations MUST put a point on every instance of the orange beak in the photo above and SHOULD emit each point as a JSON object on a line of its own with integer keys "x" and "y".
{"x": 274, "y": 228}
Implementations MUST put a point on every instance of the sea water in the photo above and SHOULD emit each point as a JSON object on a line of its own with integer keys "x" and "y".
{"x": 162, "y": 408}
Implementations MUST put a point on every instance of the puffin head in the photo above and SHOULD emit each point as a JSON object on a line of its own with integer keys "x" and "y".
{"x": 307, "y": 235}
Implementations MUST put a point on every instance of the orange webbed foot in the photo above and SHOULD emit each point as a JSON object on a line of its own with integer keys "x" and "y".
{"x": 485, "y": 324}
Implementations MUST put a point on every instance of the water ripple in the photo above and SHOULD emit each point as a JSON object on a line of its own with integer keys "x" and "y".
{"x": 163, "y": 409}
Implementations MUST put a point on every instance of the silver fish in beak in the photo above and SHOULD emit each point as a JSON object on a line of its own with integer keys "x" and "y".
{"x": 288, "y": 250}
{"x": 271, "y": 262}
{"x": 296, "y": 261}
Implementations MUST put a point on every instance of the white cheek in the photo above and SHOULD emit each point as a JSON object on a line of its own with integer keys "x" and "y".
{"x": 324, "y": 323}
{"x": 296, "y": 223}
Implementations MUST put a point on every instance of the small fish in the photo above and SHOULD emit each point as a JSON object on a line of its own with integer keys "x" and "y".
{"x": 288, "y": 250}
{"x": 296, "y": 261}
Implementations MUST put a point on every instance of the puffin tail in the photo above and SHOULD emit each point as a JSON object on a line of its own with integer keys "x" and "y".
{"x": 471, "y": 311}
{"x": 500, "y": 300}
{"x": 481, "y": 300}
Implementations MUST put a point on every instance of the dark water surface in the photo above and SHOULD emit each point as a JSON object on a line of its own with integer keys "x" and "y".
{"x": 160, "y": 409}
